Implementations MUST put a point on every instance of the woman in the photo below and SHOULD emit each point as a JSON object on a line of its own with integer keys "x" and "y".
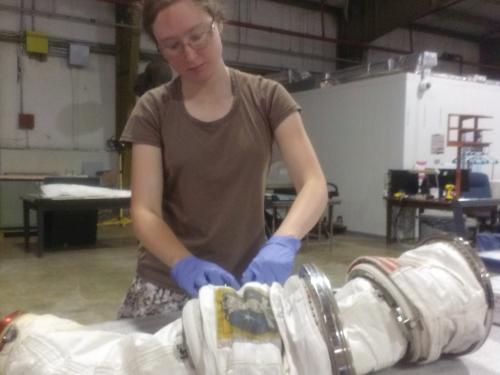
{"x": 201, "y": 152}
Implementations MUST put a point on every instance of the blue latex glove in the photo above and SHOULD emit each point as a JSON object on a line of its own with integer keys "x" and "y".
{"x": 274, "y": 262}
{"x": 191, "y": 273}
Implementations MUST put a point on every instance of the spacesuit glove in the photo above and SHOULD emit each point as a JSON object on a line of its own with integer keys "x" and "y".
{"x": 274, "y": 262}
{"x": 191, "y": 273}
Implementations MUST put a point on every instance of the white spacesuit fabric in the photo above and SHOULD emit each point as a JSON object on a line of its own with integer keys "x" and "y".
{"x": 436, "y": 288}
{"x": 414, "y": 308}
{"x": 233, "y": 332}
{"x": 305, "y": 349}
{"x": 374, "y": 336}
{"x": 223, "y": 332}
{"x": 47, "y": 345}
{"x": 448, "y": 296}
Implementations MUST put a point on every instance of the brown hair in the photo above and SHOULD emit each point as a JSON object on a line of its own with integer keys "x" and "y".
{"x": 151, "y": 8}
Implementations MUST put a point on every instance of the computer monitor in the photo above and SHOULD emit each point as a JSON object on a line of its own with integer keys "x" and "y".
{"x": 448, "y": 176}
{"x": 403, "y": 180}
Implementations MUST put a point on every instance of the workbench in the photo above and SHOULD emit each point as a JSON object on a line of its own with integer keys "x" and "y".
{"x": 42, "y": 205}
{"x": 458, "y": 207}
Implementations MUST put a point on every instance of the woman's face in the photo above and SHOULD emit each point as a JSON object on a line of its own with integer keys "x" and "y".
{"x": 189, "y": 40}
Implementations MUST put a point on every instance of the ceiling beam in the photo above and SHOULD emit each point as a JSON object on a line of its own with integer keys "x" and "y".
{"x": 489, "y": 54}
{"x": 461, "y": 16}
{"x": 370, "y": 19}
{"x": 313, "y": 5}
{"x": 445, "y": 32}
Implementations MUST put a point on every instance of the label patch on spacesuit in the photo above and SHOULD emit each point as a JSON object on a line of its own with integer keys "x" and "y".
{"x": 245, "y": 317}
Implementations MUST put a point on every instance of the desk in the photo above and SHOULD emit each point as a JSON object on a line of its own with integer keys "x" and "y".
{"x": 42, "y": 205}
{"x": 459, "y": 207}
{"x": 285, "y": 205}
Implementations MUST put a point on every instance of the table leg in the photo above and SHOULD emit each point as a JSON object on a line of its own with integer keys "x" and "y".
{"x": 320, "y": 223}
{"x": 458, "y": 218}
{"x": 273, "y": 226}
{"x": 388, "y": 224}
{"x": 26, "y": 226}
{"x": 330, "y": 219}
{"x": 41, "y": 231}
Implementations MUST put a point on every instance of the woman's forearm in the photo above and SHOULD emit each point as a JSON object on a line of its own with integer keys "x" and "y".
{"x": 306, "y": 209}
{"x": 157, "y": 236}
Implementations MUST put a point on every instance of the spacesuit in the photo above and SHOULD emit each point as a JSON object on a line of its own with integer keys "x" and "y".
{"x": 430, "y": 301}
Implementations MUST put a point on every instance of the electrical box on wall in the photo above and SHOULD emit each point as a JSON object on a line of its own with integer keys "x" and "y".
{"x": 79, "y": 55}
{"x": 37, "y": 42}
{"x": 26, "y": 121}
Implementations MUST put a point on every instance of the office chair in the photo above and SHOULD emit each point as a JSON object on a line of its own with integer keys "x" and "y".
{"x": 479, "y": 187}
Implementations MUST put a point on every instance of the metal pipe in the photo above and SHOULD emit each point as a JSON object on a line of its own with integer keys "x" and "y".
{"x": 257, "y": 27}
{"x": 65, "y": 149}
{"x": 248, "y": 25}
{"x": 320, "y": 38}
{"x": 58, "y": 47}
{"x": 323, "y": 34}
{"x": 122, "y": 2}
{"x": 65, "y": 17}
{"x": 438, "y": 9}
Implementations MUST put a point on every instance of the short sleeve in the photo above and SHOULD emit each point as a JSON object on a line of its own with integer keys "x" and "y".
{"x": 279, "y": 104}
{"x": 143, "y": 125}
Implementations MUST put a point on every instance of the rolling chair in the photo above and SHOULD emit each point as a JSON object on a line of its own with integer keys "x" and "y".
{"x": 479, "y": 187}
{"x": 476, "y": 219}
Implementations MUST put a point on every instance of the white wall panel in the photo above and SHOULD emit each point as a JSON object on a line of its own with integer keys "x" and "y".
{"x": 361, "y": 129}
{"x": 357, "y": 130}
{"x": 9, "y": 21}
{"x": 61, "y": 28}
{"x": 281, "y": 16}
{"x": 99, "y": 10}
{"x": 9, "y": 97}
{"x": 74, "y": 114}
{"x": 427, "y": 114}
{"x": 74, "y": 108}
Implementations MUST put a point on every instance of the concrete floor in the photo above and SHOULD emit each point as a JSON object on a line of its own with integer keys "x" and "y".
{"x": 88, "y": 284}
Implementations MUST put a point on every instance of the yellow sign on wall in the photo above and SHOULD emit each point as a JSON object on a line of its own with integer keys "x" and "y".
{"x": 37, "y": 42}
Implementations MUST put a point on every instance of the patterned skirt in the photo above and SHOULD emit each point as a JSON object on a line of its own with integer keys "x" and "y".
{"x": 144, "y": 299}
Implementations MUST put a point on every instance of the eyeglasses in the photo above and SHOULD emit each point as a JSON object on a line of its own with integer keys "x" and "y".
{"x": 196, "y": 39}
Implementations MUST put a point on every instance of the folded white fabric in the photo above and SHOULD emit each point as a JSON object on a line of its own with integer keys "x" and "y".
{"x": 81, "y": 191}
{"x": 224, "y": 332}
{"x": 305, "y": 350}
{"x": 448, "y": 296}
{"x": 374, "y": 335}
{"x": 233, "y": 332}
{"x": 49, "y": 345}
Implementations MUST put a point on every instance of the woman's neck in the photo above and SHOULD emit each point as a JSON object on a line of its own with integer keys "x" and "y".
{"x": 218, "y": 86}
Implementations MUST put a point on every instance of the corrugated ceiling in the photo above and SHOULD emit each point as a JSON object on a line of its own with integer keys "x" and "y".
{"x": 473, "y": 18}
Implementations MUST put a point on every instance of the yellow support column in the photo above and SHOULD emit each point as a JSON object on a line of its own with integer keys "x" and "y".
{"x": 127, "y": 62}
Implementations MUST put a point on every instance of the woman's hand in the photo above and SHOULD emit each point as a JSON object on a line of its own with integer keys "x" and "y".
{"x": 274, "y": 262}
{"x": 191, "y": 273}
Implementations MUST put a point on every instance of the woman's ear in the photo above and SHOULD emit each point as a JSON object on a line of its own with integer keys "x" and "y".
{"x": 220, "y": 27}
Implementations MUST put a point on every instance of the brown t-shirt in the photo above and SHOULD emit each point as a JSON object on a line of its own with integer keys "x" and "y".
{"x": 213, "y": 172}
